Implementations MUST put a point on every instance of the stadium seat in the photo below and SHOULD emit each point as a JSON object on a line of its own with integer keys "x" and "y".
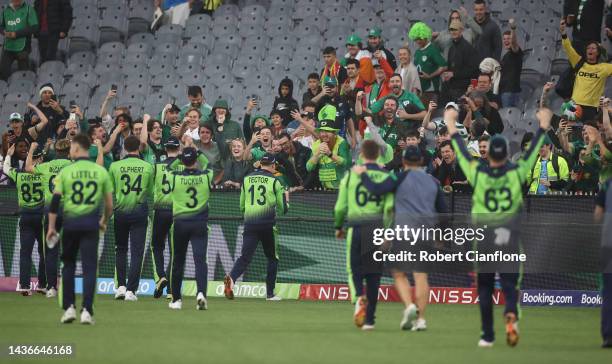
{"x": 141, "y": 38}
{"x": 84, "y": 35}
{"x": 176, "y": 90}
{"x": 113, "y": 25}
{"x": 161, "y": 79}
{"x": 207, "y": 39}
{"x": 168, "y": 48}
{"x": 24, "y": 86}
{"x": 75, "y": 86}
{"x": 202, "y": 20}
{"x": 88, "y": 77}
{"x": 139, "y": 19}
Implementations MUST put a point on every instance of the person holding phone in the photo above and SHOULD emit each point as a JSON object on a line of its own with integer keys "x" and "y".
{"x": 49, "y": 105}
{"x": 284, "y": 103}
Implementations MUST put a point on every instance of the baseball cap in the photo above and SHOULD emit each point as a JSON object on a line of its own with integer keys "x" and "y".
{"x": 189, "y": 156}
{"x": 268, "y": 158}
{"x": 353, "y": 39}
{"x": 330, "y": 81}
{"x": 453, "y": 105}
{"x": 375, "y": 32}
{"x": 498, "y": 148}
{"x": 15, "y": 116}
{"x": 547, "y": 140}
{"x": 412, "y": 153}
{"x": 172, "y": 142}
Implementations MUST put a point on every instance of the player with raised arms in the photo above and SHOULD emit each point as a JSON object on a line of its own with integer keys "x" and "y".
{"x": 86, "y": 190}
{"x": 497, "y": 201}
{"x": 262, "y": 196}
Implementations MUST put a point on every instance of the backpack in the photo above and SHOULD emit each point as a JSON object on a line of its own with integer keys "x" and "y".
{"x": 555, "y": 165}
{"x": 565, "y": 86}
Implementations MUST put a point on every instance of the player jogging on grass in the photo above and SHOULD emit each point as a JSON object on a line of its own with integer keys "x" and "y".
{"x": 30, "y": 197}
{"x": 190, "y": 195}
{"x": 47, "y": 172}
{"x": 496, "y": 201}
{"x": 363, "y": 212}
{"x": 262, "y": 196}
{"x": 132, "y": 180}
{"x": 86, "y": 191}
{"x": 418, "y": 200}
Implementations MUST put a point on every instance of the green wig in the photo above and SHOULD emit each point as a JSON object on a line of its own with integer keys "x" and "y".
{"x": 419, "y": 30}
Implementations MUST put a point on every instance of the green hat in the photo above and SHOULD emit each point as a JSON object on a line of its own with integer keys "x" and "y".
{"x": 327, "y": 118}
{"x": 330, "y": 81}
{"x": 353, "y": 39}
{"x": 375, "y": 32}
{"x": 419, "y": 30}
{"x": 262, "y": 117}
{"x": 547, "y": 140}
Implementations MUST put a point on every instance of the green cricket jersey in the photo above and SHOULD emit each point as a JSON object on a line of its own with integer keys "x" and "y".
{"x": 30, "y": 191}
{"x": 404, "y": 99}
{"x": 498, "y": 192}
{"x": 262, "y": 196}
{"x": 190, "y": 194}
{"x": 47, "y": 172}
{"x": 162, "y": 197}
{"x": 356, "y": 204}
{"x": 83, "y": 185}
{"x": 132, "y": 180}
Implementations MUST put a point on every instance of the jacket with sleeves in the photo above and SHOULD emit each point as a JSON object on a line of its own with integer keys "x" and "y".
{"x": 463, "y": 62}
{"x": 489, "y": 43}
{"x": 59, "y": 15}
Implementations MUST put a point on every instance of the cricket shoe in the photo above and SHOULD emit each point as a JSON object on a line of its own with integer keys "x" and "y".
{"x": 202, "y": 303}
{"x": 409, "y": 317}
{"x": 168, "y": 296}
{"x": 512, "y": 332}
{"x": 120, "y": 293}
{"x": 41, "y": 290}
{"x": 159, "y": 287}
{"x": 229, "y": 287}
{"x": 24, "y": 291}
{"x": 485, "y": 344}
{"x": 130, "y": 296}
{"x": 367, "y": 327}
{"x": 69, "y": 315}
{"x": 176, "y": 305}
{"x": 51, "y": 292}
{"x": 86, "y": 318}
{"x": 360, "y": 311}
{"x": 419, "y": 325}
{"x": 273, "y": 298}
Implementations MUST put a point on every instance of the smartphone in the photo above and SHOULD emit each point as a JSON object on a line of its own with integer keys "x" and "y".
{"x": 54, "y": 97}
{"x": 113, "y": 87}
{"x": 474, "y": 82}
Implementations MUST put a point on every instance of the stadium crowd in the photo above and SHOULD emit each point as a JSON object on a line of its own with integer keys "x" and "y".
{"x": 469, "y": 72}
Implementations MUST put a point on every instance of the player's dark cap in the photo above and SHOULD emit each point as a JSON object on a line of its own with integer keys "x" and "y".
{"x": 38, "y": 152}
{"x": 547, "y": 140}
{"x": 189, "y": 156}
{"x": 268, "y": 159}
{"x": 172, "y": 142}
{"x": 498, "y": 148}
{"x": 412, "y": 153}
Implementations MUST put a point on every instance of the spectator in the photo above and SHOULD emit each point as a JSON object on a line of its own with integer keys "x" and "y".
{"x": 260, "y": 144}
{"x": 362, "y": 56}
{"x": 55, "y": 18}
{"x": 152, "y": 148}
{"x": 71, "y": 129}
{"x": 477, "y": 130}
{"x": 178, "y": 11}
{"x": 330, "y": 153}
{"x": 314, "y": 88}
{"x": 209, "y": 148}
{"x": 22, "y": 145}
{"x": 585, "y": 17}
{"x": 390, "y": 126}
{"x": 411, "y": 108}
{"x": 224, "y": 128}
{"x": 525, "y": 143}
{"x": 170, "y": 121}
{"x": 107, "y": 119}
{"x": 191, "y": 124}
{"x": 408, "y": 71}
{"x": 447, "y": 170}
{"x": 344, "y": 120}
{"x": 451, "y": 112}
{"x": 305, "y": 133}
{"x": 584, "y": 176}
{"x": 285, "y": 103}
{"x": 308, "y": 110}
{"x": 545, "y": 177}
{"x": 375, "y": 43}
{"x": 298, "y": 155}
{"x": 485, "y": 85}
{"x": 511, "y": 66}
{"x": 483, "y": 147}
{"x": 17, "y": 24}
{"x": 489, "y": 42}
{"x": 443, "y": 39}
{"x": 255, "y": 123}
{"x": 354, "y": 83}
{"x": 196, "y": 101}
{"x": 591, "y": 76}
{"x": 285, "y": 171}
{"x": 380, "y": 87}
{"x": 276, "y": 122}
{"x": 55, "y": 113}
{"x": 429, "y": 62}
{"x": 16, "y": 131}
{"x": 479, "y": 109}
{"x": 331, "y": 67}
{"x": 462, "y": 65}
{"x": 97, "y": 132}
{"x": 122, "y": 130}
{"x": 235, "y": 167}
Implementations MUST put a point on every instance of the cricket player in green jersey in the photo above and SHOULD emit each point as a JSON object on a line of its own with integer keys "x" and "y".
{"x": 362, "y": 211}
{"x": 190, "y": 195}
{"x": 86, "y": 191}
{"x": 262, "y": 196}
{"x": 497, "y": 201}
{"x": 47, "y": 172}
{"x": 132, "y": 180}
{"x": 30, "y": 197}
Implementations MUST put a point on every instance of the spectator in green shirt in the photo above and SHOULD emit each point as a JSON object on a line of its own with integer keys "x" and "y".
{"x": 18, "y": 23}
{"x": 196, "y": 101}
{"x": 428, "y": 60}
{"x": 224, "y": 128}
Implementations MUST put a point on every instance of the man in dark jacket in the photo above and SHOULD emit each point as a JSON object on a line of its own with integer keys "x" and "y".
{"x": 224, "y": 128}
{"x": 585, "y": 16}
{"x": 55, "y": 18}
{"x": 489, "y": 43}
{"x": 462, "y": 65}
{"x": 53, "y": 110}
{"x": 375, "y": 43}
{"x": 285, "y": 103}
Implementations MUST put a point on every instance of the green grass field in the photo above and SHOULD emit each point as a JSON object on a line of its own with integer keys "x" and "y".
{"x": 256, "y": 331}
